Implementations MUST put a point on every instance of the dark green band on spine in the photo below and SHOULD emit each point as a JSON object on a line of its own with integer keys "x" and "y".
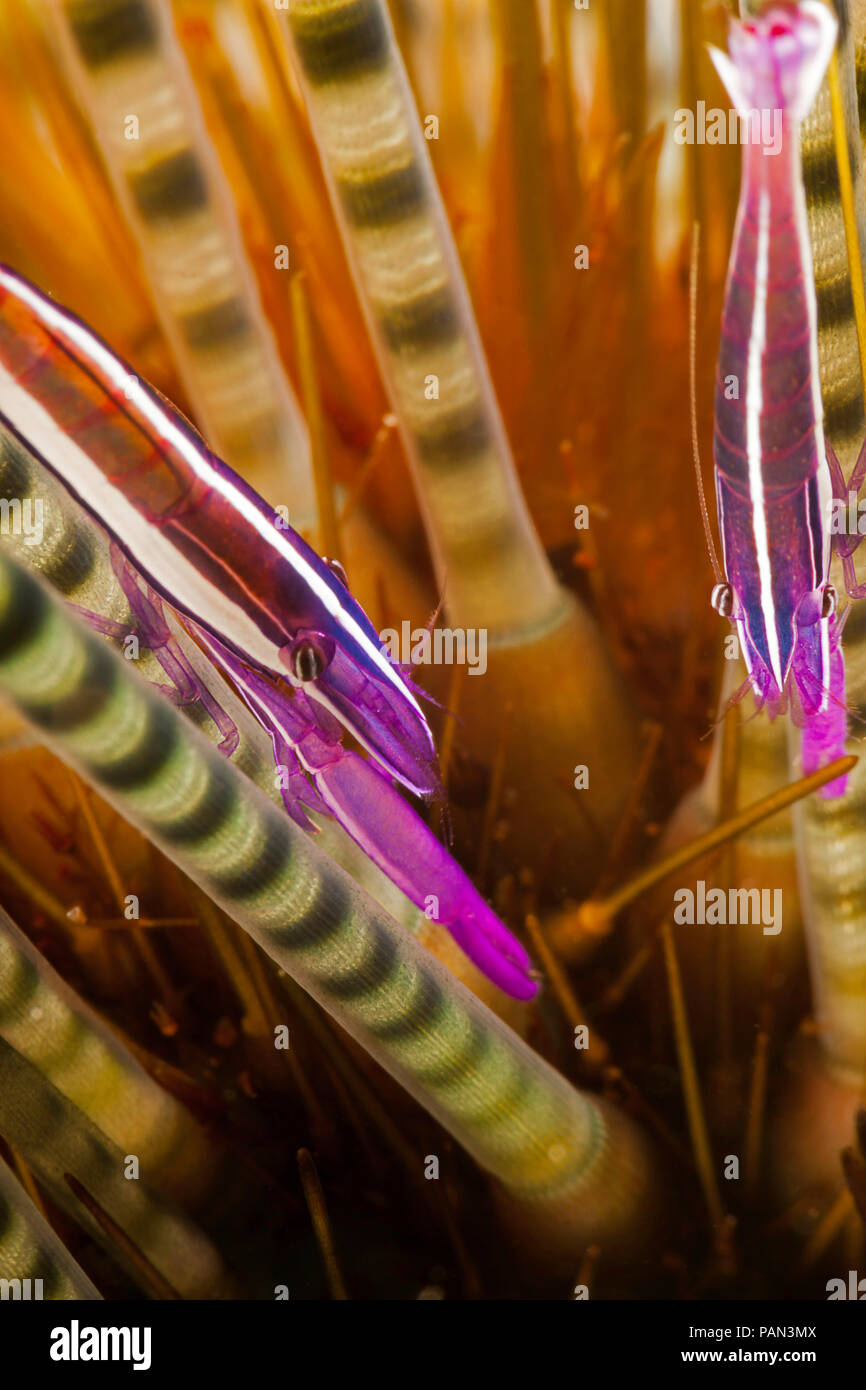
{"x": 372, "y": 972}
{"x": 821, "y": 174}
{"x": 16, "y": 474}
{"x": 44, "y": 1268}
{"x": 427, "y": 321}
{"x": 173, "y": 187}
{"x": 106, "y": 30}
{"x": 861, "y": 88}
{"x": 83, "y": 703}
{"x": 835, "y": 305}
{"x": 262, "y": 872}
{"x": 24, "y": 613}
{"x": 214, "y": 325}
{"x": 20, "y": 989}
{"x": 71, "y": 566}
{"x": 155, "y": 748}
{"x": 6, "y": 1219}
{"x": 381, "y": 199}
{"x": 324, "y": 921}
{"x": 463, "y": 1060}
{"x": 209, "y": 814}
{"x": 341, "y": 42}
{"x": 473, "y": 549}
{"x": 429, "y": 1001}
{"x": 53, "y": 1279}
{"x": 454, "y": 439}
{"x": 844, "y": 418}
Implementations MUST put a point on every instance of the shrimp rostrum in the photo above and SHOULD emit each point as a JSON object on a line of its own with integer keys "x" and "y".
{"x": 273, "y": 616}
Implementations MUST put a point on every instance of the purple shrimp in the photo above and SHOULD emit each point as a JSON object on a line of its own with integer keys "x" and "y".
{"x": 273, "y": 615}
{"x": 775, "y": 475}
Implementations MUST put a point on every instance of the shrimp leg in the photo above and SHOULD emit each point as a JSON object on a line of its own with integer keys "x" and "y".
{"x": 378, "y": 818}
{"x": 285, "y": 724}
{"x": 185, "y": 688}
{"x": 844, "y": 543}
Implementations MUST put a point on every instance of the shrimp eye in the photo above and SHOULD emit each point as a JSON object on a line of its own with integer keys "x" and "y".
{"x": 309, "y": 659}
{"x": 722, "y": 599}
{"x": 828, "y": 602}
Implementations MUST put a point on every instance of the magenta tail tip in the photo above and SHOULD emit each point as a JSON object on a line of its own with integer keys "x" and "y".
{"x": 832, "y": 790}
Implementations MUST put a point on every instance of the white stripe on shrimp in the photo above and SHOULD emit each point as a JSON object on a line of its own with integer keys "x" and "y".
{"x": 754, "y": 406}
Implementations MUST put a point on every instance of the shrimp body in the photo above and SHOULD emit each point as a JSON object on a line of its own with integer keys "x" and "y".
{"x": 204, "y": 539}
{"x": 774, "y": 487}
{"x": 275, "y": 617}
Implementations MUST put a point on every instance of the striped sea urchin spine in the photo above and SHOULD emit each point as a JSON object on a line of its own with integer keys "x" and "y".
{"x": 412, "y": 286}
{"x": 133, "y": 82}
{"x": 577, "y": 1163}
{"x": 31, "y": 1254}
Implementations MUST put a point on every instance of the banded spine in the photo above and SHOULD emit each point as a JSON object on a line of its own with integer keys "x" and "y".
{"x": 67, "y": 1050}
{"x": 128, "y": 66}
{"x": 492, "y": 569}
{"x": 57, "y": 1138}
{"x": 421, "y": 320}
{"x": 30, "y": 1251}
{"x": 575, "y": 1161}
{"x": 857, "y": 13}
{"x": 42, "y": 1019}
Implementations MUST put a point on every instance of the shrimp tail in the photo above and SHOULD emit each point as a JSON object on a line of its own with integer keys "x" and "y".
{"x": 395, "y": 837}
{"x": 778, "y": 60}
{"x": 825, "y": 731}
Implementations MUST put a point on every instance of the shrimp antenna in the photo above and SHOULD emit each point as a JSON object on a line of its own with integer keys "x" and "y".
{"x": 696, "y": 453}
